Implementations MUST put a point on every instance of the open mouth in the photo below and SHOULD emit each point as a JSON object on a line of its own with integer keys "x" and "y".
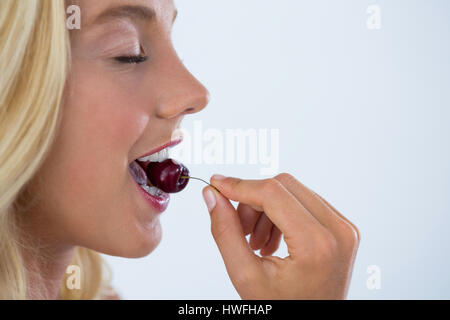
{"x": 138, "y": 171}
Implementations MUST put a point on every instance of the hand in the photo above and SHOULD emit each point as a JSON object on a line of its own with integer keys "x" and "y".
{"x": 322, "y": 244}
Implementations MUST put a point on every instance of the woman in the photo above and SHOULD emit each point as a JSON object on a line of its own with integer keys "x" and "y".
{"x": 77, "y": 108}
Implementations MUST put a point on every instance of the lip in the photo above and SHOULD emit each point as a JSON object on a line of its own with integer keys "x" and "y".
{"x": 159, "y": 204}
{"x": 167, "y": 145}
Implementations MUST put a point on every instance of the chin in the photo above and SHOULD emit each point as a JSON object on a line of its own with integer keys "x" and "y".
{"x": 144, "y": 241}
{"x": 136, "y": 243}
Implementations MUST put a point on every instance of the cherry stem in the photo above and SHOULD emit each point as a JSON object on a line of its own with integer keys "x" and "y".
{"x": 187, "y": 177}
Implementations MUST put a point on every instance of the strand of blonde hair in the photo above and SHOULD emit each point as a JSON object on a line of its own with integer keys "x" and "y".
{"x": 34, "y": 63}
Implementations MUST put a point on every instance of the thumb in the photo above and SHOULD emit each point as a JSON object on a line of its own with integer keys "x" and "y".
{"x": 227, "y": 231}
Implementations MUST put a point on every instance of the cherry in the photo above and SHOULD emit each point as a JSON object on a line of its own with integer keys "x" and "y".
{"x": 170, "y": 176}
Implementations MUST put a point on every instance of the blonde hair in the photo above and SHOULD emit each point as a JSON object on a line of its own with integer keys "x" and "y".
{"x": 34, "y": 63}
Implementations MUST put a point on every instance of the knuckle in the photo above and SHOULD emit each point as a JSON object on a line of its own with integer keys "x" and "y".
{"x": 236, "y": 182}
{"x": 270, "y": 186}
{"x": 287, "y": 178}
{"x": 350, "y": 236}
{"x": 284, "y": 176}
{"x": 356, "y": 233}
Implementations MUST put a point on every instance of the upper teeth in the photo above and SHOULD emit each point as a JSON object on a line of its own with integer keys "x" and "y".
{"x": 156, "y": 157}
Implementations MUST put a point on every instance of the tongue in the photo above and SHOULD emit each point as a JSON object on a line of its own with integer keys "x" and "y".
{"x": 138, "y": 173}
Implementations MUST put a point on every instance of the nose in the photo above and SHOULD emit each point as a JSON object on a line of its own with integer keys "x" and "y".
{"x": 182, "y": 93}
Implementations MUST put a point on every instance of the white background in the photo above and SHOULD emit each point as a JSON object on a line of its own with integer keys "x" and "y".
{"x": 364, "y": 121}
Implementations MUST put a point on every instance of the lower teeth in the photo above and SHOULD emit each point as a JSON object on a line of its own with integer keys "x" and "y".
{"x": 154, "y": 191}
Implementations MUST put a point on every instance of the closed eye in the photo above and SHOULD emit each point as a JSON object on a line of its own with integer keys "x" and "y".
{"x": 131, "y": 59}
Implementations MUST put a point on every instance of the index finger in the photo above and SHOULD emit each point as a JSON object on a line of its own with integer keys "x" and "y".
{"x": 282, "y": 208}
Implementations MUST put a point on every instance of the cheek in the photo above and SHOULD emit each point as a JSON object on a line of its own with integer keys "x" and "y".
{"x": 99, "y": 129}
{"x": 104, "y": 112}
{"x": 89, "y": 163}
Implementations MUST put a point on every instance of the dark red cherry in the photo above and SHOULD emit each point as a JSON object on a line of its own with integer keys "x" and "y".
{"x": 168, "y": 175}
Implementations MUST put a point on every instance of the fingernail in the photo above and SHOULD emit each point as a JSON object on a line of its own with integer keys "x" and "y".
{"x": 218, "y": 177}
{"x": 210, "y": 199}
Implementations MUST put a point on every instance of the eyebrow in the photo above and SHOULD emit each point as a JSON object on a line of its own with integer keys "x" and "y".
{"x": 133, "y": 12}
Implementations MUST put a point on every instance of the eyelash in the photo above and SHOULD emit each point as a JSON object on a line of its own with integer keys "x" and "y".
{"x": 133, "y": 59}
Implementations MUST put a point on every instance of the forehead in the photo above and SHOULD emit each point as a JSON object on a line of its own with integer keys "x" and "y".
{"x": 102, "y": 10}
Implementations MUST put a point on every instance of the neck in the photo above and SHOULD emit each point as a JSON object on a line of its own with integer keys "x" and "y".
{"x": 44, "y": 255}
{"x": 45, "y": 269}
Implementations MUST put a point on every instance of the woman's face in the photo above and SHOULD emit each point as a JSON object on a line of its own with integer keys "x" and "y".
{"x": 116, "y": 109}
